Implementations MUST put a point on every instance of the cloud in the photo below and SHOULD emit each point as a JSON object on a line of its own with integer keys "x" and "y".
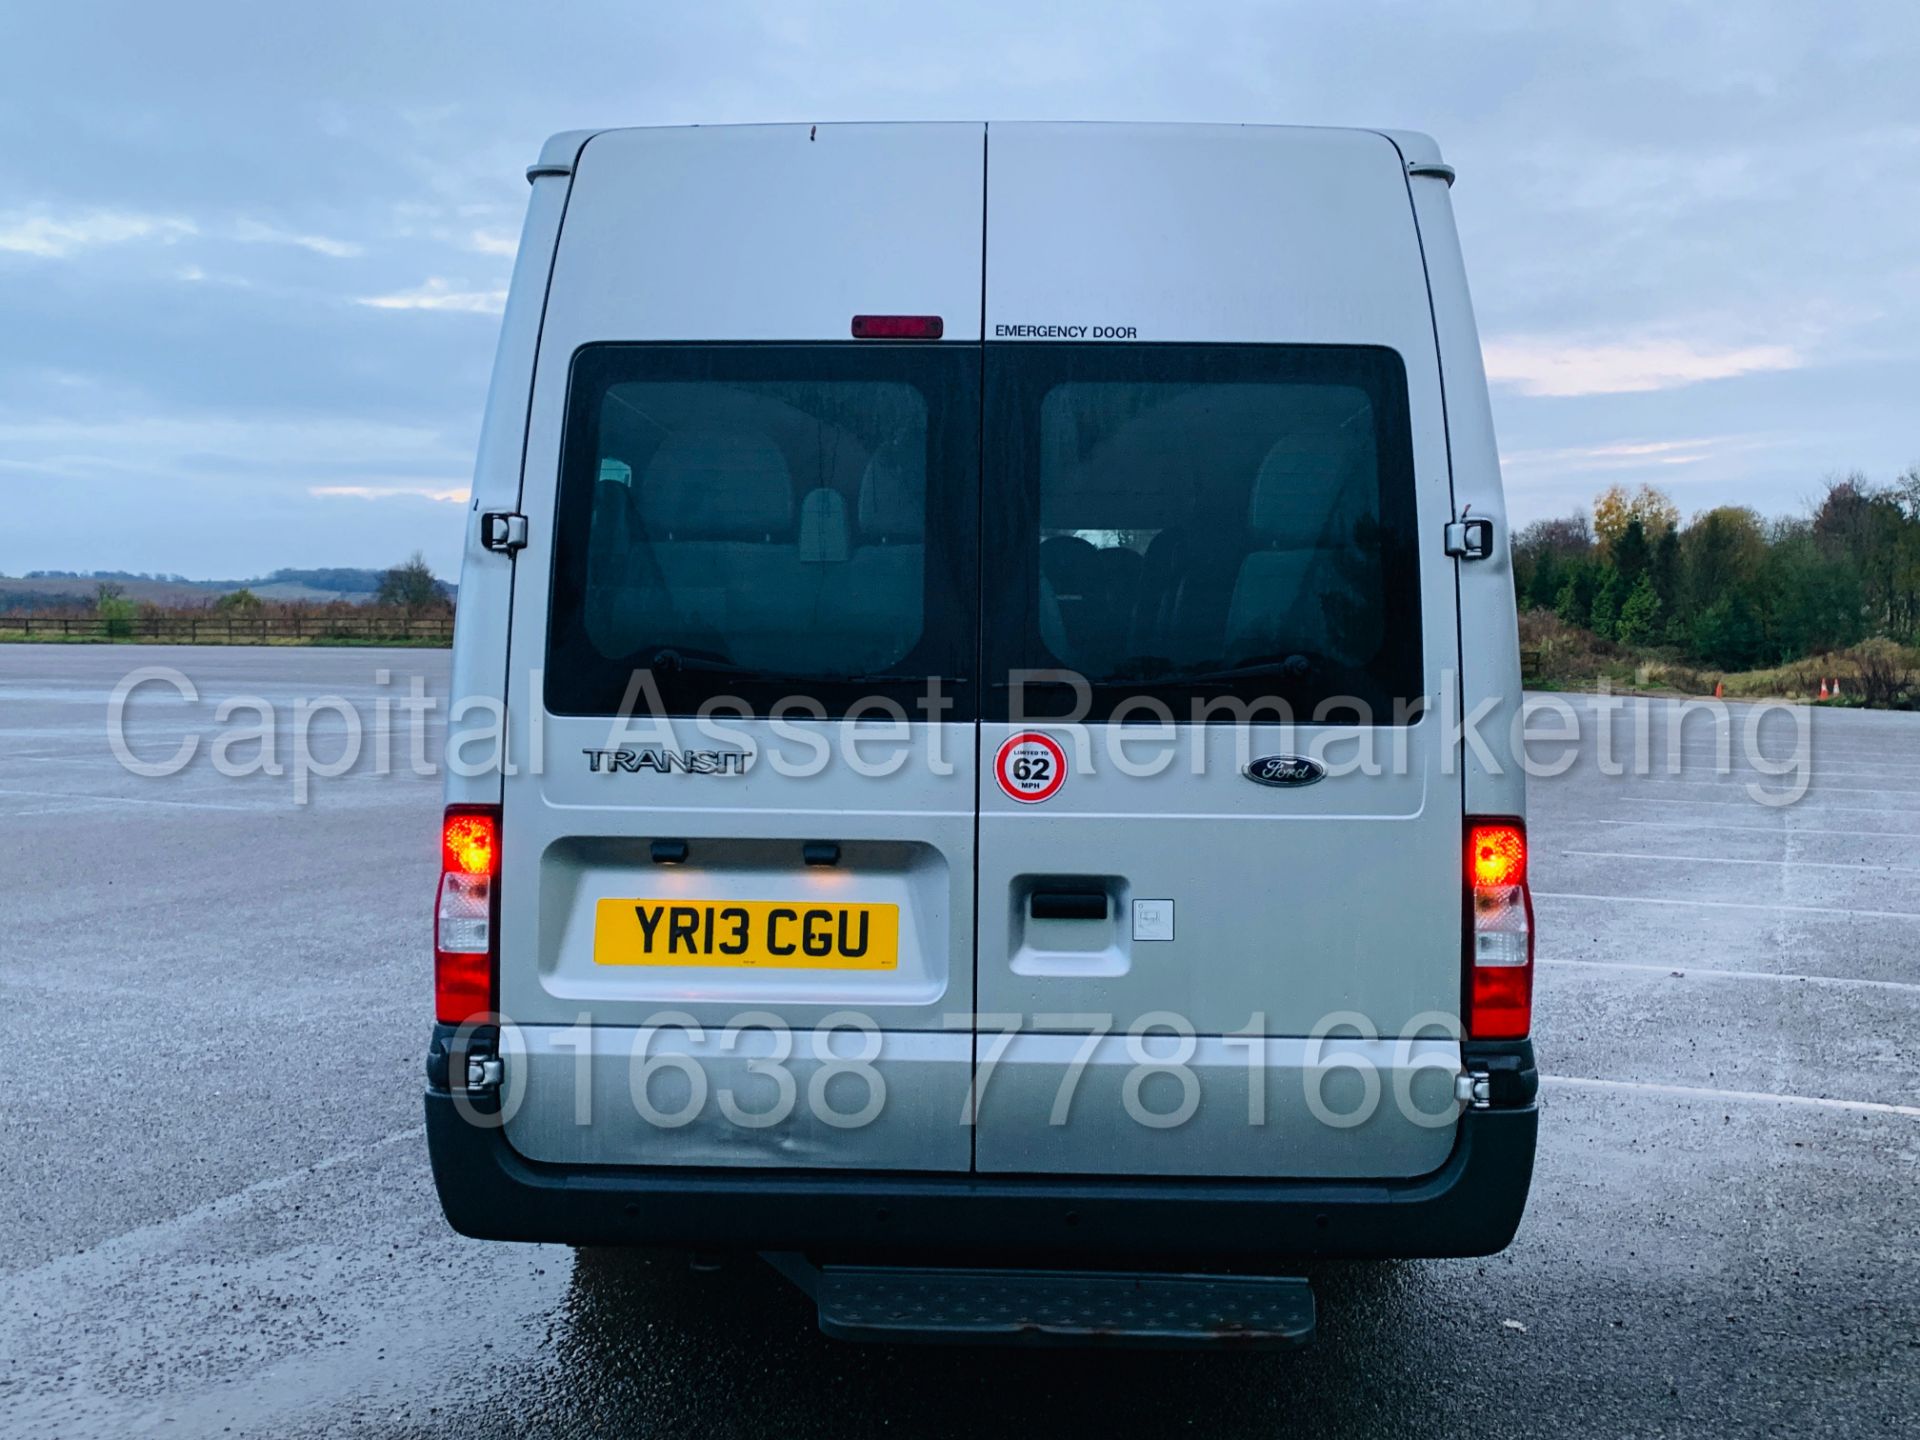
{"x": 437, "y": 294}
{"x": 112, "y": 486}
{"x": 494, "y": 242}
{"x": 1729, "y": 180}
{"x": 51, "y": 236}
{"x": 289, "y": 452}
{"x": 1627, "y": 454}
{"x": 253, "y": 232}
{"x": 56, "y": 237}
{"x": 1562, "y": 366}
{"x": 199, "y": 275}
{"x": 453, "y": 495}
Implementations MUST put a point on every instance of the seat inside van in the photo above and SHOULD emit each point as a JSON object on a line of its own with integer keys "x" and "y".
{"x": 761, "y": 537}
{"x": 1153, "y": 559}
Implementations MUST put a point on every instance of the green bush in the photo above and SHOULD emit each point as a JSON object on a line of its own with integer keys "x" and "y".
{"x": 1605, "y": 615}
{"x": 1640, "y": 616}
{"x": 1728, "y": 634}
{"x": 111, "y": 604}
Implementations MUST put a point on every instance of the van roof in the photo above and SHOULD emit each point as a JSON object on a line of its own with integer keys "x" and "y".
{"x": 558, "y": 155}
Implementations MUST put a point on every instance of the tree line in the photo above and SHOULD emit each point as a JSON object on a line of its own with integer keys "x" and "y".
{"x": 1728, "y": 588}
{"x": 410, "y": 586}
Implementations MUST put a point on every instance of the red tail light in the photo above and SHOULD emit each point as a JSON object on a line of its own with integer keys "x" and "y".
{"x": 466, "y": 941}
{"x": 898, "y": 327}
{"x": 1499, "y": 932}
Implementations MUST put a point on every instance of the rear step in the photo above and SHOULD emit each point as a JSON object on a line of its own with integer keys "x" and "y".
{"x": 1053, "y": 1307}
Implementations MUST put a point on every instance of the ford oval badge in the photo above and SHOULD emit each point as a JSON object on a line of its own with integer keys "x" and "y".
{"x": 1285, "y": 770}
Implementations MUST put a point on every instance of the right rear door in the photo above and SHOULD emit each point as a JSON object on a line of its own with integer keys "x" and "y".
{"x": 1229, "y": 514}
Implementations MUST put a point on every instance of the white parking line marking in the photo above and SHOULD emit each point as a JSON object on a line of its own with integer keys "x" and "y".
{"x": 1697, "y": 742}
{"x": 1688, "y": 972}
{"x": 1817, "y": 771}
{"x": 128, "y": 800}
{"x": 1818, "y": 775}
{"x": 1721, "y": 784}
{"x": 1762, "y": 1097}
{"x": 220, "y": 1205}
{"x": 1760, "y": 829}
{"x": 1728, "y": 905}
{"x": 1743, "y": 765}
{"x": 1728, "y": 860}
{"x": 1744, "y": 801}
{"x": 103, "y": 758}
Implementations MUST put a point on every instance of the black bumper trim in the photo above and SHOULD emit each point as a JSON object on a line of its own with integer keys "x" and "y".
{"x": 1469, "y": 1206}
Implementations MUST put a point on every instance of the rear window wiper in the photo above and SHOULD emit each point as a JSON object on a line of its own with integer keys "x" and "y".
{"x": 946, "y": 681}
{"x": 670, "y": 661}
{"x": 1291, "y": 667}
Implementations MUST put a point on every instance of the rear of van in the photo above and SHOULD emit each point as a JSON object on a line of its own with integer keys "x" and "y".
{"x": 1008, "y": 661}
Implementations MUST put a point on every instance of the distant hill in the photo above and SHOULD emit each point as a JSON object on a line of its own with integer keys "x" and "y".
{"x": 42, "y": 591}
{"x": 56, "y": 589}
{"x": 315, "y": 594}
{"x": 337, "y": 583}
{"x": 338, "y": 580}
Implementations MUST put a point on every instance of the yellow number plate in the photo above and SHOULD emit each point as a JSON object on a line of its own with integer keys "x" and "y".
{"x": 761, "y": 934}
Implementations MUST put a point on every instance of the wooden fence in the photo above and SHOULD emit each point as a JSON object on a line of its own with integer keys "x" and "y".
{"x": 232, "y": 629}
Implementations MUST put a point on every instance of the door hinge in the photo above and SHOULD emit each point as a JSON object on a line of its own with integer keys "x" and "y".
{"x": 485, "y": 1072}
{"x": 1470, "y": 538}
{"x": 503, "y": 531}
{"x": 1474, "y": 1088}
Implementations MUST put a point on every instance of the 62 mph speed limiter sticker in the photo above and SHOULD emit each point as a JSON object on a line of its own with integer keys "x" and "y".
{"x": 1030, "y": 767}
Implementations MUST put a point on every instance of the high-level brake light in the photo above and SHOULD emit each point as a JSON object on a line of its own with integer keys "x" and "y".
{"x": 465, "y": 938}
{"x": 897, "y": 327}
{"x": 1499, "y": 932}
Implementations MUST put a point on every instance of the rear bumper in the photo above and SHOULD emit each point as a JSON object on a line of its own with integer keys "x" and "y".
{"x": 1471, "y": 1205}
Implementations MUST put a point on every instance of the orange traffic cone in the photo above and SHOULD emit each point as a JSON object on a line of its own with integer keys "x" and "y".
{"x": 1719, "y": 690}
{"x": 1836, "y": 687}
{"x": 1823, "y": 689}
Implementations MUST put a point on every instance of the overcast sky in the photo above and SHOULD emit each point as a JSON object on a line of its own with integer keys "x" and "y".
{"x": 252, "y": 255}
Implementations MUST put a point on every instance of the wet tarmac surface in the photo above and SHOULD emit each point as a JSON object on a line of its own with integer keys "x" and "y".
{"x": 216, "y": 1217}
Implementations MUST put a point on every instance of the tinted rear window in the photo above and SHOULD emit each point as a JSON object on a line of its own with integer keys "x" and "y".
{"x": 1186, "y": 523}
{"x": 767, "y": 521}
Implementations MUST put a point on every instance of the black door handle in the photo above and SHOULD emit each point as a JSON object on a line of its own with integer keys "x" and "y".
{"x": 1068, "y": 904}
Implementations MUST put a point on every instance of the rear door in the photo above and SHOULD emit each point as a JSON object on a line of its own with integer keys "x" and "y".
{"x": 1215, "y": 483}
{"x": 733, "y": 921}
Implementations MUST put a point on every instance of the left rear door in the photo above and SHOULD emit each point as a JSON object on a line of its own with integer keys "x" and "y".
{"x": 732, "y": 940}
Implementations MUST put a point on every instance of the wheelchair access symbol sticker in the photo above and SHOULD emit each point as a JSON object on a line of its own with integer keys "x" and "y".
{"x": 1030, "y": 767}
